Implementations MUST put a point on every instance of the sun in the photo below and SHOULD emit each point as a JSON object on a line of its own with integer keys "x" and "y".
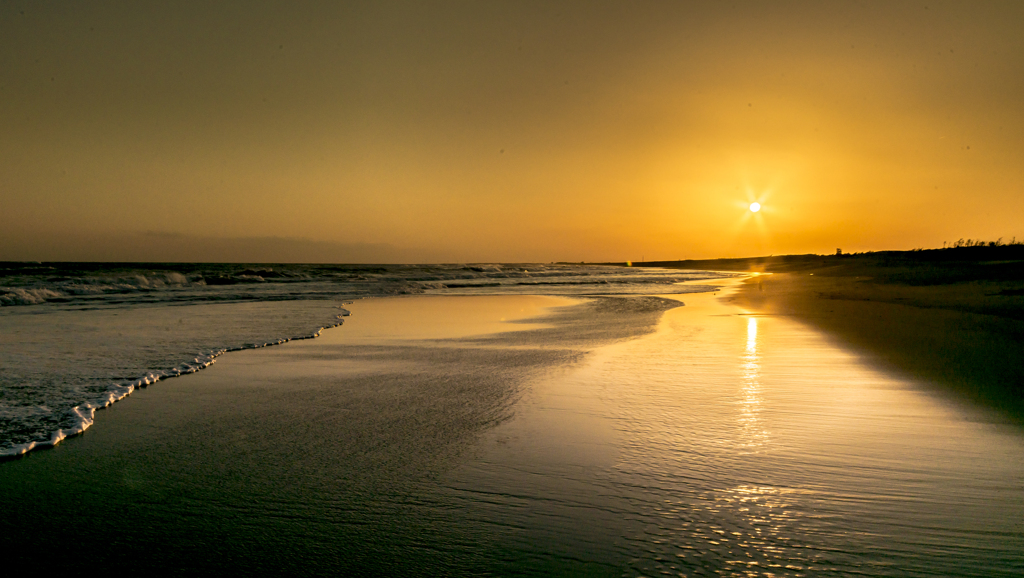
{"x": 755, "y": 207}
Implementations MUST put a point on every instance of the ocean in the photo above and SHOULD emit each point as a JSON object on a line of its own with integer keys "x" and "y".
{"x": 76, "y": 337}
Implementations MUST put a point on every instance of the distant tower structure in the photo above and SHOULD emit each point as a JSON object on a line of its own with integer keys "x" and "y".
{"x": 839, "y": 252}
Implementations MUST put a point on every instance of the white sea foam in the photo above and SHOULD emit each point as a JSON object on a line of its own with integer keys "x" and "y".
{"x": 31, "y": 296}
{"x": 45, "y": 289}
{"x": 82, "y": 416}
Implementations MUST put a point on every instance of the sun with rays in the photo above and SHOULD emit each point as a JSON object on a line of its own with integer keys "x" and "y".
{"x": 751, "y": 227}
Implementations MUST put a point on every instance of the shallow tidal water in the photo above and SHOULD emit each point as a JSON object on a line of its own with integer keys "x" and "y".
{"x": 402, "y": 443}
{"x": 76, "y": 337}
{"x": 742, "y": 445}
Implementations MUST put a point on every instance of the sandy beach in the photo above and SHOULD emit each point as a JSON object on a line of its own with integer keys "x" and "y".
{"x": 958, "y": 326}
{"x": 532, "y": 436}
{"x": 953, "y": 318}
{"x": 310, "y": 458}
{"x": 973, "y": 357}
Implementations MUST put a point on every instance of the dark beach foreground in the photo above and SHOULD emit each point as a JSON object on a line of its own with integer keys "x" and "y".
{"x": 530, "y": 436}
{"x": 953, "y": 318}
{"x": 315, "y": 458}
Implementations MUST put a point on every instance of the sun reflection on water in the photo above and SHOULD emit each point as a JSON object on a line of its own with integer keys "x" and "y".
{"x": 752, "y": 447}
{"x": 754, "y": 434}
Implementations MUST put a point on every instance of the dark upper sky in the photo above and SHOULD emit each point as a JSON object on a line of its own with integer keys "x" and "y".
{"x": 519, "y": 131}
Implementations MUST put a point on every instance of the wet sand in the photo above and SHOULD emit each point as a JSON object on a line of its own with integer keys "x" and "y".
{"x": 604, "y": 437}
{"x": 966, "y": 339}
{"x": 317, "y": 457}
{"x": 952, "y": 318}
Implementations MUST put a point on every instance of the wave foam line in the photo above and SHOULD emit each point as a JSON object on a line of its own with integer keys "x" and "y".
{"x": 85, "y": 414}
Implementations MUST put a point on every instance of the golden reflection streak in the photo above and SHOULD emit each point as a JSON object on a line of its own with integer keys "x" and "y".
{"x": 754, "y": 434}
{"x": 764, "y": 506}
{"x": 751, "y": 339}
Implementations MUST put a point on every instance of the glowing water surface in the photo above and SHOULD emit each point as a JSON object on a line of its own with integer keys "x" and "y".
{"x": 739, "y": 445}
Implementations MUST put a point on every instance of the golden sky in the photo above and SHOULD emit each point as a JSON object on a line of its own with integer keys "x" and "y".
{"x": 505, "y": 131}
